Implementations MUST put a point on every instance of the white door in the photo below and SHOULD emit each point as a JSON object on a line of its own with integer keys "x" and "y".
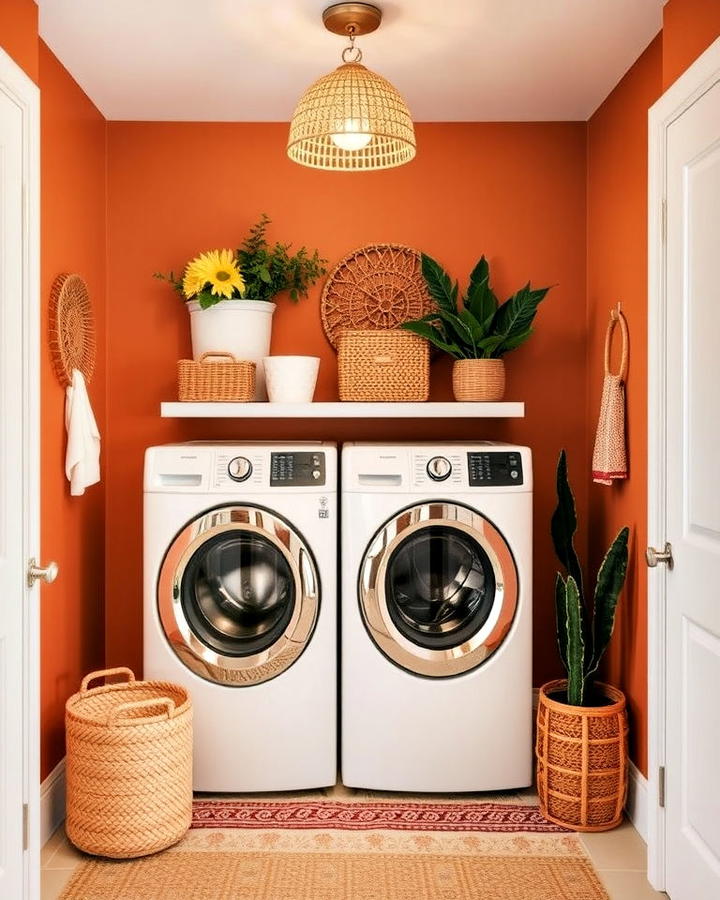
{"x": 19, "y": 773}
{"x": 692, "y": 744}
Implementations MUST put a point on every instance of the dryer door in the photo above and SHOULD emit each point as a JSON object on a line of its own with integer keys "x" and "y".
{"x": 238, "y": 595}
{"x": 438, "y": 589}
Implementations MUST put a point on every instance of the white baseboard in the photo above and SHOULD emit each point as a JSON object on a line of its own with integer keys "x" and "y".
{"x": 636, "y": 806}
{"x": 52, "y": 802}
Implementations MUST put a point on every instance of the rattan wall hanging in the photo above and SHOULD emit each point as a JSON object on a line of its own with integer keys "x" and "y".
{"x": 374, "y": 288}
{"x": 72, "y": 329}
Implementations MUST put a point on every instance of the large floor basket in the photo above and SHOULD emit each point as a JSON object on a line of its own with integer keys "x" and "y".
{"x": 129, "y": 765}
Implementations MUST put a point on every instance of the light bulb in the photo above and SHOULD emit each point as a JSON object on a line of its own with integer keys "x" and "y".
{"x": 354, "y": 136}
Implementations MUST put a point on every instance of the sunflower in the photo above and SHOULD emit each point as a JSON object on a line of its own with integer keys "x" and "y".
{"x": 217, "y": 268}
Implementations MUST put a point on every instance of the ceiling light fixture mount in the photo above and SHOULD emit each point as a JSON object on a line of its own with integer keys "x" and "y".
{"x": 352, "y": 18}
{"x": 352, "y": 119}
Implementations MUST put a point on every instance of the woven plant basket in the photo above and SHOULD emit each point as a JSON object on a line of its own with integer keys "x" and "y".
{"x": 479, "y": 380}
{"x": 215, "y": 377}
{"x": 582, "y": 765}
{"x": 383, "y": 366}
{"x": 129, "y": 766}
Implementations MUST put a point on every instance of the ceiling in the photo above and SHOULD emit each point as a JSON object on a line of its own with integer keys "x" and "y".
{"x": 249, "y": 60}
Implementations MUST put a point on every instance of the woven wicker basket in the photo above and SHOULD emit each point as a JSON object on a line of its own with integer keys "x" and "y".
{"x": 383, "y": 366}
{"x": 209, "y": 380}
{"x": 129, "y": 766}
{"x": 582, "y": 759}
{"x": 481, "y": 380}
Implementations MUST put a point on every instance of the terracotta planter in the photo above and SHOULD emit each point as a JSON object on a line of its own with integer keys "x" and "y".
{"x": 479, "y": 380}
{"x": 582, "y": 760}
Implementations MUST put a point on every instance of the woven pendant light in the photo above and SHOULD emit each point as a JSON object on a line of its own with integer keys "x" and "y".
{"x": 352, "y": 119}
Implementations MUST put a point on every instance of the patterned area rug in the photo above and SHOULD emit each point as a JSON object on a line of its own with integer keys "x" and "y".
{"x": 310, "y": 849}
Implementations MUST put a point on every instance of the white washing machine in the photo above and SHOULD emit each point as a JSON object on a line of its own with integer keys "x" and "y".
{"x": 436, "y": 617}
{"x": 240, "y": 606}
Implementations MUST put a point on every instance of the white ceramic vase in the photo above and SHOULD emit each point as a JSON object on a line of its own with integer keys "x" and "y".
{"x": 240, "y": 327}
{"x": 291, "y": 379}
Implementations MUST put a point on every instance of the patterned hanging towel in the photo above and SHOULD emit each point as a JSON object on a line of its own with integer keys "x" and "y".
{"x": 609, "y": 457}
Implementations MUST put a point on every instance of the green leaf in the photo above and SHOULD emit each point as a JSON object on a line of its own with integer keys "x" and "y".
{"x": 564, "y": 524}
{"x": 432, "y": 334}
{"x": 516, "y": 315}
{"x": 489, "y": 345}
{"x": 575, "y": 644}
{"x": 206, "y": 299}
{"x": 610, "y": 581}
{"x": 440, "y": 287}
{"x": 481, "y": 301}
{"x": 513, "y": 342}
{"x": 459, "y": 331}
{"x": 561, "y": 618}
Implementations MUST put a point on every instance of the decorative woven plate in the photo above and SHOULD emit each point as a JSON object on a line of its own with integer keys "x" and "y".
{"x": 374, "y": 288}
{"x": 72, "y": 330}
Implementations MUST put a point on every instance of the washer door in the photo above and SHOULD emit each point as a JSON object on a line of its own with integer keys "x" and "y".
{"x": 238, "y": 595}
{"x": 438, "y": 589}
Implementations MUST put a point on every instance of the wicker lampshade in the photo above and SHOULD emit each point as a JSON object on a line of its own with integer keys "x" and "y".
{"x": 355, "y": 107}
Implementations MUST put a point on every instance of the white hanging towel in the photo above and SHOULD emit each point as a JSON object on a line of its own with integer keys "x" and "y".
{"x": 610, "y": 456}
{"x": 82, "y": 458}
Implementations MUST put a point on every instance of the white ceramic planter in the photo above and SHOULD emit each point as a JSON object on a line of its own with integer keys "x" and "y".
{"x": 291, "y": 379}
{"x": 240, "y": 327}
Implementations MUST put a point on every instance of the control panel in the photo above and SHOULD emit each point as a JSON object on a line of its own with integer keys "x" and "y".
{"x": 297, "y": 469}
{"x": 494, "y": 469}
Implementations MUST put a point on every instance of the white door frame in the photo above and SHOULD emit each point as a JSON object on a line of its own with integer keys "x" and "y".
{"x": 698, "y": 79}
{"x": 16, "y": 85}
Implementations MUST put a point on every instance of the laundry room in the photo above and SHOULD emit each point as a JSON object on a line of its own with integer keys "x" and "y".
{"x": 350, "y": 530}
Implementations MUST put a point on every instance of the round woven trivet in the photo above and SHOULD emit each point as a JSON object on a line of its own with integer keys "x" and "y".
{"x": 72, "y": 330}
{"x": 377, "y": 287}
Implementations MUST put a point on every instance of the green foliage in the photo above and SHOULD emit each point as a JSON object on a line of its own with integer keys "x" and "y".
{"x": 582, "y": 639}
{"x": 271, "y": 270}
{"x": 575, "y": 643}
{"x": 268, "y": 270}
{"x": 477, "y": 327}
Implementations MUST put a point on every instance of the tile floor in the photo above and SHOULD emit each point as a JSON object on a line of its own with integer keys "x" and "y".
{"x": 619, "y": 856}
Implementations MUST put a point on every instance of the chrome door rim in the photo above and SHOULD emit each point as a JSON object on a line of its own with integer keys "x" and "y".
{"x": 397, "y": 647}
{"x": 238, "y": 671}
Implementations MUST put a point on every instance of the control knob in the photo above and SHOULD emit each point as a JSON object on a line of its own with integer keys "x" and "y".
{"x": 240, "y": 468}
{"x": 439, "y": 468}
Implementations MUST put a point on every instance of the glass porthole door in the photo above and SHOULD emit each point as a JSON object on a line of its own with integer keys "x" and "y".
{"x": 238, "y": 595}
{"x": 438, "y": 589}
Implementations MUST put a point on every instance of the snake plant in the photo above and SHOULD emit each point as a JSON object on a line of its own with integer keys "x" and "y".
{"x": 583, "y": 635}
{"x": 477, "y": 327}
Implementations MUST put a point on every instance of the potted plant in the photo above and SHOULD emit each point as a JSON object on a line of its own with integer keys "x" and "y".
{"x": 477, "y": 331}
{"x": 581, "y": 743}
{"x": 229, "y": 295}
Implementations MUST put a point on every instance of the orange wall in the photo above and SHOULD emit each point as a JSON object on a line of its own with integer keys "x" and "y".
{"x": 617, "y": 270}
{"x": 72, "y": 528}
{"x": 19, "y": 33}
{"x": 515, "y": 192}
{"x": 689, "y": 27}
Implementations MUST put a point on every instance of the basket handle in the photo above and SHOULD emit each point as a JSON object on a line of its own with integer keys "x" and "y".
{"x": 383, "y": 360}
{"x": 103, "y": 673}
{"x": 114, "y": 713}
{"x": 220, "y": 354}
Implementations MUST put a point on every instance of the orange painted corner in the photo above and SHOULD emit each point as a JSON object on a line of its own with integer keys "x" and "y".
{"x": 72, "y": 528}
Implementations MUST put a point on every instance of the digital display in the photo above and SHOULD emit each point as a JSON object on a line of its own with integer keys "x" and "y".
{"x": 297, "y": 469}
{"x": 495, "y": 469}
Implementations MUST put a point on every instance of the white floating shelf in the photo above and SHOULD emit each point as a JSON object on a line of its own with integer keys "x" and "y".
{"x": 450, "y": 410}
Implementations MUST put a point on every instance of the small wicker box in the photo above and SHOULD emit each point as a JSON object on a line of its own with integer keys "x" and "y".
{"x": 383, "y": 366}
{"x": 208, "y": 380}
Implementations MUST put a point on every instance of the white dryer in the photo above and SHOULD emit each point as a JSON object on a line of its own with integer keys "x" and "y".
{"x": 436, "y": 617}
{"x": 240, "y": 606}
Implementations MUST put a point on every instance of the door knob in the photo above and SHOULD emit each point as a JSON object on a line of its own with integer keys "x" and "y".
{"x": 654, "y": 556}
{"x": 48, "y": 573}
